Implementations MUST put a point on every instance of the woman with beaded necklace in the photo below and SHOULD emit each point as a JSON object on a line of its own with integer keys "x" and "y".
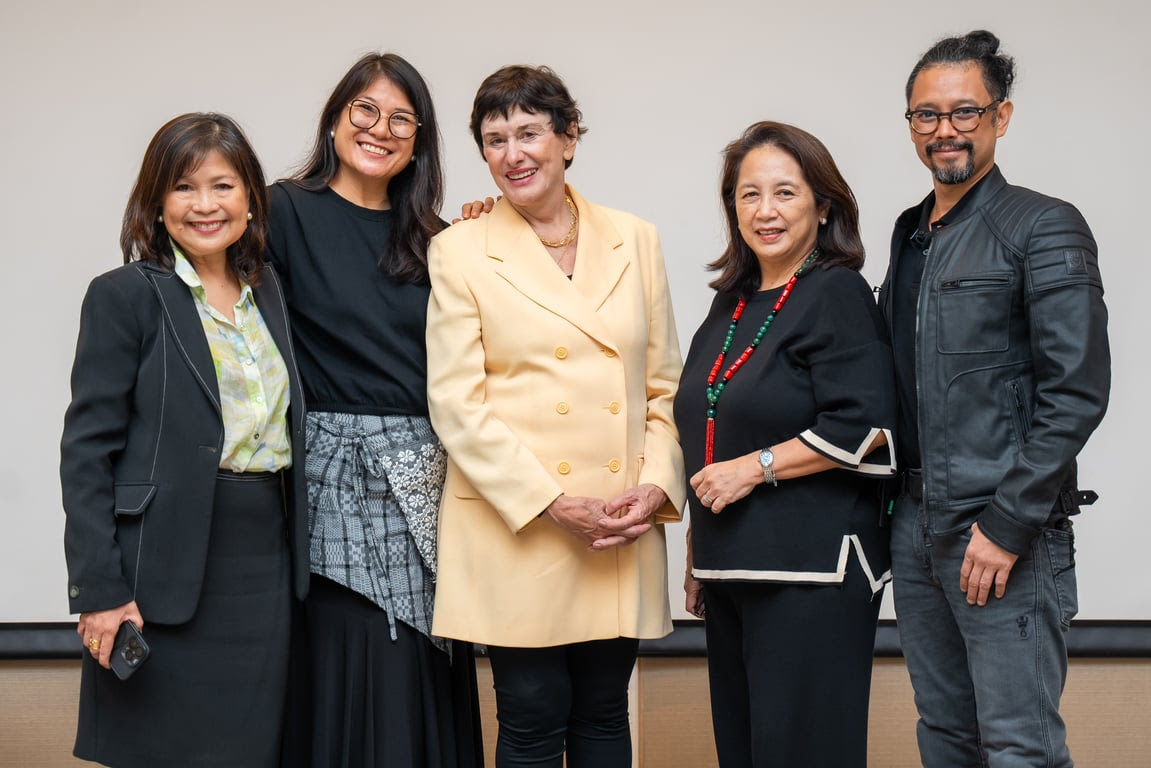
{"x": 552, "y": 363}
{"x": 784, "y": 410}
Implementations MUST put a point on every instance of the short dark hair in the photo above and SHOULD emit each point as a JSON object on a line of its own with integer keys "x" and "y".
{"x": 838, "y": 241}
{"x": 980, "y": 47}
{"x": 537, "y": 90}
{"x": 176, "y": 150}
{"x": 417, "y": 192}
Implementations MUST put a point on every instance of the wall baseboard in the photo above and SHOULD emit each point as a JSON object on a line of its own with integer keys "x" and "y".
{"x": 1089, "y": 639}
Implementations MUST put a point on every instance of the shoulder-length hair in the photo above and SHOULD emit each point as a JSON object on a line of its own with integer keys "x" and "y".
{"x": 838, "y": 241}
{"x": 417, "y": 192}
{"x": 176, "y": 150}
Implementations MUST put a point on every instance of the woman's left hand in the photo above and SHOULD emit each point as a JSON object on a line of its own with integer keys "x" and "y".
{"x": 637, "y": 504}
{"x": 726, "y": 482}
{"x": 99, "y": 628}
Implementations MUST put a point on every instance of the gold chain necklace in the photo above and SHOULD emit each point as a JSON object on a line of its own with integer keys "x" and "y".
{"x": 571, "y": 235}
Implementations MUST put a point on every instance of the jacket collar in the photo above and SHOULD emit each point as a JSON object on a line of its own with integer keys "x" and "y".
{"x": 524, "y": 262}
{"x": 982, "y": 193}
{"x": 269, "y": 300}
{"x": 183, "y": 321}
{"x": 978, "y": 196}
{"x": 269, "y": 296}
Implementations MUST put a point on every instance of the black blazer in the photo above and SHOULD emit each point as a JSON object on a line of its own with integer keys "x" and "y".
{"x": 142, "y": 441}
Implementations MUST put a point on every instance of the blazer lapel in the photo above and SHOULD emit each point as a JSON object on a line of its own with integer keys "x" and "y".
{"x": 600, "y": 259}
{"x": 183, "y": 322}
{"x": 526, "y": 264}
{"x": 269, "y": 297}
{"x": 271, "y": 304}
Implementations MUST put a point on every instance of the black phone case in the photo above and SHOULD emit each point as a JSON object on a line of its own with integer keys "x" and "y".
{"x": 129, "y": 651}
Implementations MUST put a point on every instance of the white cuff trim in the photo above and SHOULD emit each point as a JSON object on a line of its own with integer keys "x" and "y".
{"x": 804, "y": 577}
{"x": 854, "y": 459}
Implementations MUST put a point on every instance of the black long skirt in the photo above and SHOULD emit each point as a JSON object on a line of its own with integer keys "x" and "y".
{"x": 363, "y": 700}
{"x": 212, "y": 691}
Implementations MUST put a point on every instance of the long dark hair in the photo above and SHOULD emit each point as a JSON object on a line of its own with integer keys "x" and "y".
{"x": 417, "y": 192}
{"x": 838, "y": 241}
{"x": 177, "y": 149}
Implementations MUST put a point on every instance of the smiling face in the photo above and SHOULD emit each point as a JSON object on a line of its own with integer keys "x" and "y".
{"x": 370, "y": 158}
{"x": 777, "y": 211}
{"x": 206, "y": 211}
{"x": 957, "y": 159}
{"x": 526, "y": 158}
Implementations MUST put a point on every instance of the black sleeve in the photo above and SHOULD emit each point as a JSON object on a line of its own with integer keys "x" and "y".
{"x": 852, "y": 378}
{"x": 1072, "y": 361}
{"x": 95, "y": 432}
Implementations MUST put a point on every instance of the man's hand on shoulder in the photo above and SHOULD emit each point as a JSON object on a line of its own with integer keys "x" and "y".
{"x": 984, "y": 564}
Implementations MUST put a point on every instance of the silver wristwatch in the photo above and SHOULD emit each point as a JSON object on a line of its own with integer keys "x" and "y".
{"x": 767, "y": 463}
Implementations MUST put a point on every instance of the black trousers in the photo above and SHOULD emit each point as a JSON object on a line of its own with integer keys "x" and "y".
{"x": 789, "y": 668}
{"x": 567, "y": 696}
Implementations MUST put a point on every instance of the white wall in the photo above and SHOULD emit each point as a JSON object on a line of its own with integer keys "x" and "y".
{"x": 85, "y": 85}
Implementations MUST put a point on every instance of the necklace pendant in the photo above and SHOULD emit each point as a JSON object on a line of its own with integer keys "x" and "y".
{"x": 709, "y": 443}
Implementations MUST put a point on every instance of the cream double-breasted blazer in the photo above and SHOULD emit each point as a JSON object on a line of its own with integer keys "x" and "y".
{"x": 539, "y": 385}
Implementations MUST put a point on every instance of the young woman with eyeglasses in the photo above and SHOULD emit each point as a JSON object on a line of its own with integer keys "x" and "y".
{"x": 349, "y": 234}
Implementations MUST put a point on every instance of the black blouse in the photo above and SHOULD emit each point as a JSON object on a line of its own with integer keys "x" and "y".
{"x": 822, "y": 373}
{"x": 359, "y": 333}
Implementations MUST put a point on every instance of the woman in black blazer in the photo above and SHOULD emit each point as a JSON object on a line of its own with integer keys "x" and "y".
{"x": 185, "y": 409}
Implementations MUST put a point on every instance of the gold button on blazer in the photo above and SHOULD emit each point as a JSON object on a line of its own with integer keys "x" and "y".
{"x": 499, "y": 314}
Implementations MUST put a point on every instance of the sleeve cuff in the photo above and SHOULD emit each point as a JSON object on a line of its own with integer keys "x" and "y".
{"x": 1005, "y": 531}
{"x": 883, "y": 459}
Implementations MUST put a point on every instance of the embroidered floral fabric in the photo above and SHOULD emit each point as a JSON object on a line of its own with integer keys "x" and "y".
{"x": 374, "y": 485}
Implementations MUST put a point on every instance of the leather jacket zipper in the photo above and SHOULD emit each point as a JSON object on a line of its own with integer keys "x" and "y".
{"x": 924, "y": 287}
{"x": 973, "y": 282}
{"x": 1020, "y": 412}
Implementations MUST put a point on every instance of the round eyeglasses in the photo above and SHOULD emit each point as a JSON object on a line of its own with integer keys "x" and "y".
{"x": 364, "y": 115}
{"x": 963, "y": 119}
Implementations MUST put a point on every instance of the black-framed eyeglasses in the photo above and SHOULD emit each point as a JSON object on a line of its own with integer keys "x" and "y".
{"x": 963, "y": 119}
{"x": 364, "y": 115}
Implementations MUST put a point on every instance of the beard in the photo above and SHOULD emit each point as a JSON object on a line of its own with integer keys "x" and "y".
{"x": 957, "y": 173}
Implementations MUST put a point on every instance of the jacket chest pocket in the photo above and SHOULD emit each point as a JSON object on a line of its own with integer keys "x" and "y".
{"x": 974, "y": 313}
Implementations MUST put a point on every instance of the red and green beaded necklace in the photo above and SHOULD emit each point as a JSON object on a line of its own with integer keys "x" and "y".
{"x": 714, "y": 388}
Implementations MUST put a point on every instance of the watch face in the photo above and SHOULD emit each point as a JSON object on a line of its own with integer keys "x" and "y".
{"x": 767, "y": 462}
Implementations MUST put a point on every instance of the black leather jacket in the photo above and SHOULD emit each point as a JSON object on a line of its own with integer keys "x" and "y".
{"x": 1012, "y": 363}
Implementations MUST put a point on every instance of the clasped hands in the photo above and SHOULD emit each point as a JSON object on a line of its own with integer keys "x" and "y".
{"x": 606, "y": 524}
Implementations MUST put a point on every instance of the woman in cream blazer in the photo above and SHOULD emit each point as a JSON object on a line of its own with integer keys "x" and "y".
{"x": 552, "y": 365}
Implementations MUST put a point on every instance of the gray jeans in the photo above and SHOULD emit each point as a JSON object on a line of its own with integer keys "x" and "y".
{"x": 987, "y": 679}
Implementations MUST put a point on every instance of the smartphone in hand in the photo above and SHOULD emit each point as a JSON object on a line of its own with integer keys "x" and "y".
{"x": 129, "y": 651}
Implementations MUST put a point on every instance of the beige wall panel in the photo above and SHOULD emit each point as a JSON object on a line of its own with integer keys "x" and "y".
{"x": 38, "y": 702}
{"x": 1107, "y": 706}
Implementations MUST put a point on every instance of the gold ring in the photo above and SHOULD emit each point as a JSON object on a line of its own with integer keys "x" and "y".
{"x": 94, "y": 644}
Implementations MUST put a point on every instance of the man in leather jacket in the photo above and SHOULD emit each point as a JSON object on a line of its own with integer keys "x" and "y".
{"x": 999, "y": 332}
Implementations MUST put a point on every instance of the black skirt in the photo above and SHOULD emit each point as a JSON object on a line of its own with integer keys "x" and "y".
{"x": 362, "y": 699}
{"x": 212, "y": 692}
